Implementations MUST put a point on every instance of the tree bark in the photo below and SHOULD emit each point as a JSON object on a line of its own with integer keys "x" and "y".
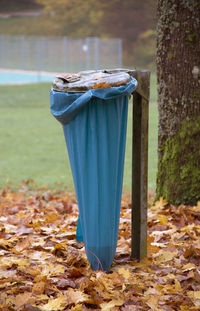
{"x": 178, "y": 72}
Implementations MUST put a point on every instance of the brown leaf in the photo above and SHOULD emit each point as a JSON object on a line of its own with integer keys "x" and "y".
{"x": 38, "y": 288}
{"x": 65, "y": 283}
{"x": 130, "y": 308}
{"x": 30, "y": 308}
{"x": 192, "y": 252}
{"x": 23, "y": 244}
{"x": 22, "y": 299}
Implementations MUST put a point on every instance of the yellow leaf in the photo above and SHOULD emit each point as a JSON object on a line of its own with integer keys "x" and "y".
{"x": 77, "y": 307}
{"x": 197, "y": 294}
{"x": 163, "y": 220}
{"x": 58, "y": 270}
{"x": 152, "y": 291}
{"x": 152, "y": 302}
{"x": 144, "y": 262}
{"x": 32, "y": 271}
{"x": 177, "y": 285}
{"x": 184, "y": 307}
{"x": 7, "y": 284}
{"x": 5, "y": 244}
{"x": 107, "y": 306}
{"x": 76, "y": 296}
{"x": 163, "y": 256}
{"x": 53, "y": 270}
{"x": 40, "y": 278}
{"x": 188, "y": 228}
{"x": 52, "y": 217}
{"x": 191, "y": 274}
{"x": 189, "y": 266}
{"x": 169, "y": 289}
{"x": 126, "y": 273}
{"x": 160, "y": 203}
{"x": 196, "y": 297}
{"x": 14, "y": 261}
{"x": 42, "y": 298}
{"x": 192, "y": 294}
{"x": 55, "y": 304}
{"x": 195, "y": 208}
{"x": 170, "y": 276}
{"x": 105, "y": 281}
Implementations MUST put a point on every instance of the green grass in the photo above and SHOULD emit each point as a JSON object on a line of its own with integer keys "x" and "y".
{"x": 32, "y": 144}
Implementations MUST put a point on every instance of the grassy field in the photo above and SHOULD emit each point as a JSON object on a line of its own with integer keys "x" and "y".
{"x": 32, "y": 142}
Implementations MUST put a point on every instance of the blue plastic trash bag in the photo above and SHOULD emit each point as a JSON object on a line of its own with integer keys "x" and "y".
{"x": 94, "y": 125}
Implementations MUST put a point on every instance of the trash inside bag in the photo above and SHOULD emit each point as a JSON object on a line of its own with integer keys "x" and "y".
{"x": 94, "y": 124}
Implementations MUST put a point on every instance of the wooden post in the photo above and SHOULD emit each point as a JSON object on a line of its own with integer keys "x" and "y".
{"x": 140, "y": 165}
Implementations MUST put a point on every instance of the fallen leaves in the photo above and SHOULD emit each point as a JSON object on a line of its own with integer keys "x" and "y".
{"x": 107, "y": 306}
{"x": 195, "y": 296}
{"x": 101, "y": 85}
{"x": 164, "y": 256}
{"x": 55, "y": 304}
{"x": 22, "y": 299}
{"x": 42, "y": 267}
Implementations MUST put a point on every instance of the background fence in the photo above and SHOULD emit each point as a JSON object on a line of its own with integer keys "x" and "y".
{"x": 59, "y": 54}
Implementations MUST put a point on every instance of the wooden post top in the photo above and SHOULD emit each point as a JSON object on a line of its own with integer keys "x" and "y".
{"x": 143, "y": 78}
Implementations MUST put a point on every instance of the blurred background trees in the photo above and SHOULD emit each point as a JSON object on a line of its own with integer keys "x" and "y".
{"x": 18, "y": 5}
{"x": 131, "y": 20}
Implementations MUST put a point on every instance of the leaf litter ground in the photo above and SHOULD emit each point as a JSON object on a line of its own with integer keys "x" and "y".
{"x": 42, "y": 267}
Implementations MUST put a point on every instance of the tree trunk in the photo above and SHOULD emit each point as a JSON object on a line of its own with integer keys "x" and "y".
{"x": 178, "y": 71}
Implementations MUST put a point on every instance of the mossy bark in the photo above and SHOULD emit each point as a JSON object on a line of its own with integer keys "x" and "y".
{"x": 178, "y": 50}
{"x": 179, "y": 167}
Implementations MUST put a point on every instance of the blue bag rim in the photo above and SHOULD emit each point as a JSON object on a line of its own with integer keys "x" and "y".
{"x": 70, "y": 109}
